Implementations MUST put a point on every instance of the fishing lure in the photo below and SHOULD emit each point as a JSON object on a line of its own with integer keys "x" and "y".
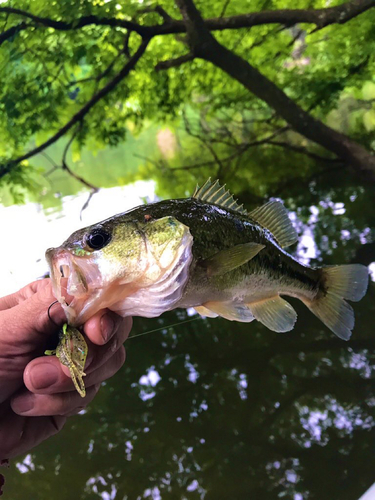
{"x": 72, "y": 352}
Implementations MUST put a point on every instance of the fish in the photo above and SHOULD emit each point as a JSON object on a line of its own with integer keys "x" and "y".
{"x": 205, "y": 252}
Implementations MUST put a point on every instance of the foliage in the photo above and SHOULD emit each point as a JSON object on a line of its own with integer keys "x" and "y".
{"x": 51, "y": 73}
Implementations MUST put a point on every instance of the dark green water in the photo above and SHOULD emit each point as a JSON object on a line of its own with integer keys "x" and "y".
{"x": 219, "y": 410}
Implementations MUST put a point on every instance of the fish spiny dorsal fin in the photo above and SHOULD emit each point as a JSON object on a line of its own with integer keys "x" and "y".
{"x": 274, "y": 217}
{"x": 212, "y": 192}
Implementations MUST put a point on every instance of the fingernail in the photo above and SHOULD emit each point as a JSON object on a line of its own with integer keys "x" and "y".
{"x": 43, "y": 375}
{"x": 23, "y": 404}
{"x": 107, "y": 325}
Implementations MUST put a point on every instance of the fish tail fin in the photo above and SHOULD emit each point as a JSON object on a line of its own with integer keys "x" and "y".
{"x": 340, "y": 282}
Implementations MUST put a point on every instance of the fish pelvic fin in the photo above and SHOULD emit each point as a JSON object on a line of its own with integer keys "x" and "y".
{"x": 233, "y": 311}
{"x": 275, "y": 313}
{"x": 274, "y": 217}
{"x": 341, "y": 282}
{"x": 203, "y": 311}
{"x": 212, "y": 192}
{"x": 231, "y": 258}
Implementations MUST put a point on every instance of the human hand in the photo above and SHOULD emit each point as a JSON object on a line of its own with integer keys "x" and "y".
{"x": 36, "y": 393}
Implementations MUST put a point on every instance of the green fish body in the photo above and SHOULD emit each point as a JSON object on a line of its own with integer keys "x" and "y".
{"x": 204, "y": 252}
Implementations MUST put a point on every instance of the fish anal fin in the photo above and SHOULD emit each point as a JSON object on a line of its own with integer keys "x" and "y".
{"x": 275, "y": 313}
{"x": 231, "y": 258}
{"x": 203, "y": 311}
{"x": 233, "y": 311}
{"x": 274, "y": 217}
{"x": 212, "y": 192}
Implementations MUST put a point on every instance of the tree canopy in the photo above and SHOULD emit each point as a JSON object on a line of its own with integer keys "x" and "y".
{"x": 263, "y": 82}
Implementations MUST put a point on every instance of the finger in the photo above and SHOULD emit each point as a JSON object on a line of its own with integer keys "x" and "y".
{"x": 38, "y": 405}
{"x": 101, "y": 327}
{"x": 47, "y": 375}
{"x": 98, "y": 355}
{"x": 24, "y": 293}
{"x": 19, "y": 434}
{"x": 26, "y": 321}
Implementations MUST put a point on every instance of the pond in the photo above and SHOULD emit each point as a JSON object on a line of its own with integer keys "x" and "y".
{"x": 210, "y": 409}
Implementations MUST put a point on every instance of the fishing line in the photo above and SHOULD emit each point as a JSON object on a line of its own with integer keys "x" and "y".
{"x": 164, "y": 327}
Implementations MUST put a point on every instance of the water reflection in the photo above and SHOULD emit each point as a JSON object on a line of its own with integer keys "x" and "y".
{"x": 214, "y": 410}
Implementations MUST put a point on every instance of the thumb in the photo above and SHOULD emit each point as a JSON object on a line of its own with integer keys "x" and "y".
{"x": 28, "y": 322}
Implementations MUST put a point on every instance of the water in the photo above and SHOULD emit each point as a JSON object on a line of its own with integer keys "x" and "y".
{"x": 215, "y": 410}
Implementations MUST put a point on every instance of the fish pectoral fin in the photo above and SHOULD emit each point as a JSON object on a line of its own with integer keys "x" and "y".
{"x": 203, "y": 311}
{"x": 233, "y": 311}
{"x": 274, "y": 217}
{"x": 275, "y": 313}
{"x": 230, "y": 258}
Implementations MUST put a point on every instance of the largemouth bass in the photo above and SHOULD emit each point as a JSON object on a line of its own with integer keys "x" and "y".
{"x": 204, "y": 252}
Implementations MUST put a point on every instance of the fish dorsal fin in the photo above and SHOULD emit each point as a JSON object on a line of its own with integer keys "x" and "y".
{"x": 212, "y": 192}
{"x": 274, "y": 217}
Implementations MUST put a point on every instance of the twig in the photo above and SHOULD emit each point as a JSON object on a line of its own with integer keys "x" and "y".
{"x": 87, "y": 202}
{"x": 159, "y": 10}
{"x": 240, "y": 151}
{"x": 224, "y": 9}
{"x": 304, "y": 151}
{"x": 174, "y": 63}
{"x": 78, "y": 177}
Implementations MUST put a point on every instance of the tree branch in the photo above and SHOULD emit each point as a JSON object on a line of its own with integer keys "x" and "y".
{"x": 174, "y": 63}
{"x": 78, "y": 23}
{"x": 13, "y": 31}
{"x": 205, "y": 46}
{"x": 339, "y": 14}
{"x": 321, "y": 18}
{"x": 304, "y": 151}
{"x": 130, "y": 65}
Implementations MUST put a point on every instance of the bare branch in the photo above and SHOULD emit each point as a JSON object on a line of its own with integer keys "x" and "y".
{"x": 83, "y": 111}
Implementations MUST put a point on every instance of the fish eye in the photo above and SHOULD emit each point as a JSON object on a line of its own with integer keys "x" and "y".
{"x": 97, "y": 239}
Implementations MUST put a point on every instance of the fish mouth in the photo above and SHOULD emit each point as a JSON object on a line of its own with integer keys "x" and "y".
{"x": 72, "y": 286}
